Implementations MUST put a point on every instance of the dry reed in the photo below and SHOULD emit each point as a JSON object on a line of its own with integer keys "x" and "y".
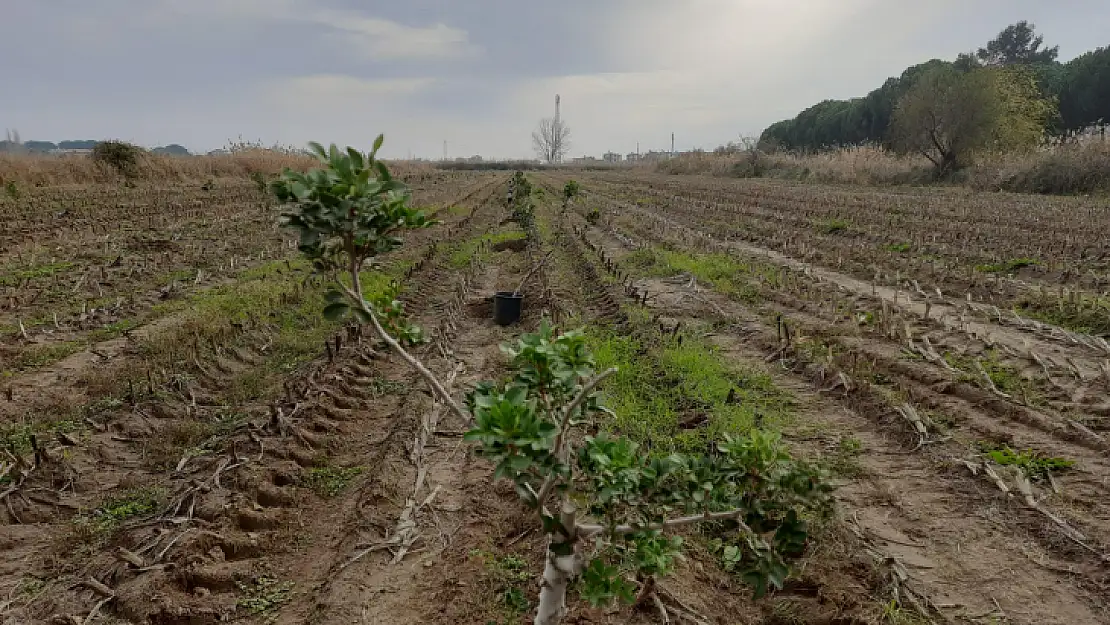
{"x": 53, "y": 170}
{"x": 1068, "y": 169}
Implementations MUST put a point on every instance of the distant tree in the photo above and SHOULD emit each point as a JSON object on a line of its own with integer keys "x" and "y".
{"x": 1018, "y": 44}
{"x": 172, "y": 149}
{"x": 950, "y": 116}
{"x": 836, "y": 123}
{"x": 1085, "y": 91}
{"x": 966, "y": 62}
{"x": 84, "y": 144}
{"x": 551, "y": 140}
{"x": 40, "y": 146}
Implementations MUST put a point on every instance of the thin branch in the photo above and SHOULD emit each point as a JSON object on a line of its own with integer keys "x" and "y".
{"x": 587, "y": 530}
{"x": 564, "y": 426}
{"x": 527, "y": 277}
{"x": 428, "y": 376}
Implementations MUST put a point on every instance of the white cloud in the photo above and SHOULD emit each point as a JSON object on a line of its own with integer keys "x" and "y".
{"x": 372, "y": 37}
{"x": 385, "y": 40}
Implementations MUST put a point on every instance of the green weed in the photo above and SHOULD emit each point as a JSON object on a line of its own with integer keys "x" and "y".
{"x": 16, "y": 437}
{"x": 899, "y": 248}
{"x": 1009, "y": 266}
{"x": 1004, "y": 377}
{"x": 1087, "y": 314}
{"x": 330, "y": 481}
{"x": 845, "y": 460}
{"x": 112, "y": 330}
{"x": 12, "y": 277}
{"x": 726, "y": 274}
{"x": 833, "y": 226}
{"x": 108, "y": 518}
{"x": 895, "y": 614}
{"x": 381, "y": 386}
{"x": 264, "y": 595}
{"x": 677, "y": 395}
{"x": 510, "y": 575}
{"x": 35, "y": 357}
{"x": 1035, "y": 466}
{"x": 461, "y": 257}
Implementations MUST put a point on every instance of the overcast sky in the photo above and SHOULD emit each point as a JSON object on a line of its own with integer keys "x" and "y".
{"x": 475, "y": 73}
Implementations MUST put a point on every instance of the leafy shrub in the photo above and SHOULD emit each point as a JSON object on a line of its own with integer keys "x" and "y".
{"x": 628, "y": 495}
{"x": 593, "y": 216}
{"x": 570, "y": 190}
{"x": 524, "y": 211}
{"x": 119, "y": 155}
{"x": 347, "y": 213}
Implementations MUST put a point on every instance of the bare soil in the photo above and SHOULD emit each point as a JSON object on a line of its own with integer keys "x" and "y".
{"x": 261, "y": 468}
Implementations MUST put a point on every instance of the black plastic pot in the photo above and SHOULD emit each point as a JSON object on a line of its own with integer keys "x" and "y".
{"x": 506, "y": 307}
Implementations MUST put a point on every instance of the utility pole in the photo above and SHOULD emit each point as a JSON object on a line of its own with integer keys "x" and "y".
{"x": 558, "y": 130}
{"x": 445, "y": 150}
{"x": 672, "y": 144}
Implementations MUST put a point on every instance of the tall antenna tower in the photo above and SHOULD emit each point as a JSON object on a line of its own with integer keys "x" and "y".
{"x": 558, "y": 130}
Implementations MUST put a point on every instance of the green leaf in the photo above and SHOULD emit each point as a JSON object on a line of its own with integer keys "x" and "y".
{"x": 356, "y": 159}
{"x": 383, "y": 171}
{"x": 335, "y": 311}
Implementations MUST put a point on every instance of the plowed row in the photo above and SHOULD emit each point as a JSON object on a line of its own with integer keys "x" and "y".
{"x": 974, "y": 542}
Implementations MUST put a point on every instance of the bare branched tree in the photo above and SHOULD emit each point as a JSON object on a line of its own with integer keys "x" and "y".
{"x": 551, "y": 140}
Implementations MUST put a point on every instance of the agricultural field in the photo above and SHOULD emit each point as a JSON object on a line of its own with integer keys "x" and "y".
{"x": 185, "y": 437}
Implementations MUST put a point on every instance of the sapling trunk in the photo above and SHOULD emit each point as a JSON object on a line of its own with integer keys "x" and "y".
{"x": 558, "y": 571}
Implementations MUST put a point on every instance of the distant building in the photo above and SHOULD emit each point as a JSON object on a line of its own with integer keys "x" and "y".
{"x": 584, "y": 160}
{"x": 612, "y": 157}
{"x": 633, "y": 157}
{"x": 653, "y": 156}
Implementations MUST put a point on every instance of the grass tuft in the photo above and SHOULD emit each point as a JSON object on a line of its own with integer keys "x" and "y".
{"x": 330, "y": 481}
{"x": 676, "y": 393}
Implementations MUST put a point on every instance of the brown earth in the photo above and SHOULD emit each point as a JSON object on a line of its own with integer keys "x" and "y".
{"x": 261, "y": 468}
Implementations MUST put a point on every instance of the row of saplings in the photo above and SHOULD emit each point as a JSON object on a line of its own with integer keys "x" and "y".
{"x": 609, "y": 509}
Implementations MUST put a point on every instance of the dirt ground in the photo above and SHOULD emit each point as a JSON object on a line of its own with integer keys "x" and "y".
{"x": 188, "y": 442}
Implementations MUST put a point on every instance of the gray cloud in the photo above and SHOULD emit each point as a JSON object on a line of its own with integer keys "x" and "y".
{"x": 476, "y": 74}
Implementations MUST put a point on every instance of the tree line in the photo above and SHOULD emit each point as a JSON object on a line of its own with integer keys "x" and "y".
{"x": 13, "y": 144}
{"x": 1014, "y": 79}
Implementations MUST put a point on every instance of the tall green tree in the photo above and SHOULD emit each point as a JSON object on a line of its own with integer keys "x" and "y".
{"x": 835, "y": 123}
{"x": 1017, "y": 44}
{"x": 1085, "y": 91}
{"x": 951, "y": 116}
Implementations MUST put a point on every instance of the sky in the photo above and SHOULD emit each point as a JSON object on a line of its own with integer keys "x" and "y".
{"x": 478, "y": 74}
